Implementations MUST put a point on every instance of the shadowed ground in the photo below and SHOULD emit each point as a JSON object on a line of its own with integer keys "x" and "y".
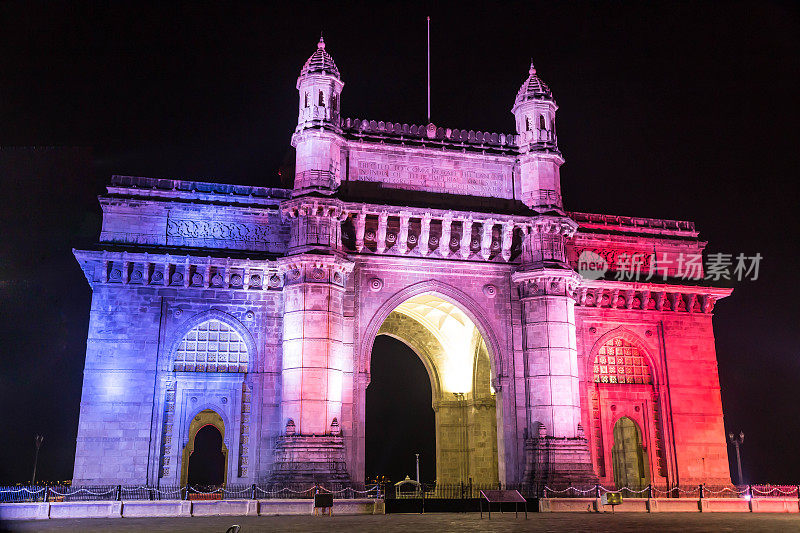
{"x": 440, "y": 523}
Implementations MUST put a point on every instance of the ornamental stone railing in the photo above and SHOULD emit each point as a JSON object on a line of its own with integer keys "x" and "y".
{"x": 378, "y": 229}
{"x": 447, "y": 137}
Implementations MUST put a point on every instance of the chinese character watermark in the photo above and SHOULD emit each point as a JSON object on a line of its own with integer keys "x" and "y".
{"x": 676, "y": 266}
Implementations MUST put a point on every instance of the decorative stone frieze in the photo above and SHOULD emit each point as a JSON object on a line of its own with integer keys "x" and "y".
{"x": 648, "y": 296}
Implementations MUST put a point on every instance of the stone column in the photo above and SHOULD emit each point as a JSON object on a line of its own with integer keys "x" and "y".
{"x": 360, "y": 224}
{"x": 425, "y": 234}
{"x": 311, "y": 448}
{"x": 508, "y": 235}
{"x": 486, "y": 239}
{"x": 466, "y": 237}
{"x": 402, "y": 238}
{"x": 557, "y": 452}
{"x": 380, "y": 236}
{"x": 444, "y": 240}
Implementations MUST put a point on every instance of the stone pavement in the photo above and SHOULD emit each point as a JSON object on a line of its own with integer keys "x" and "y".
{"x": 439, "y": 522}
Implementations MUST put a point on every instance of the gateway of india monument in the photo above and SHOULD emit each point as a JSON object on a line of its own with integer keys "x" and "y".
{"x": 251, "y": 312}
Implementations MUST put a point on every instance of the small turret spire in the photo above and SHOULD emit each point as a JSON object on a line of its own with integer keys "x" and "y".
{"x": 321, "y": 43}
{"x": 532, "y": 70}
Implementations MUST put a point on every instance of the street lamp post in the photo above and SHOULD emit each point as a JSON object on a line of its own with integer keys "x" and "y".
{"x": 737, "y": 441}
{"x": 37, "y": 440}
{"x": 417, "y": 466}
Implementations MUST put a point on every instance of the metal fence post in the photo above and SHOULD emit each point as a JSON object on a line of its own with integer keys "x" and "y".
{"x": 597, "y": 490}
{"x": 253, "y": 497}
{"x": 702, "y": 490}
{"x": 650, "y": 491}
{"x": 119, "y": 493}
{"x": 47, "y": 494}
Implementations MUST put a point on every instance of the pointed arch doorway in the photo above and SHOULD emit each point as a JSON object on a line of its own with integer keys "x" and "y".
{"x": 631, "y": 468}
{"x": 205, "y": 457}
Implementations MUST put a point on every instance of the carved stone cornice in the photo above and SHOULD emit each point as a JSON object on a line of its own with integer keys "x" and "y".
{"x": 553, "y": 225}
{"x": 634, "y": 296}
{"x": 313, "y": 206}
{"x": 546, "y": 282}
{"x": 135, "y": 269}
{"x": 309, "y": 268}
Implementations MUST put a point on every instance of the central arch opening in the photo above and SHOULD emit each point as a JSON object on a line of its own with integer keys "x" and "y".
{"x": 456, "y": 359}
{"x": 400, "y": 417}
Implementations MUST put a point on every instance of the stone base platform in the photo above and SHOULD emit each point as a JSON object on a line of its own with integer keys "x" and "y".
{"x": 180, "y": 508}
{"x": 672, "y": 505}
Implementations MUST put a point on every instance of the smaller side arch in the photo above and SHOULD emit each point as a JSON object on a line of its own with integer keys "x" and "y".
{"x": 202, "y": 418}
{"x": 182, "y": 329}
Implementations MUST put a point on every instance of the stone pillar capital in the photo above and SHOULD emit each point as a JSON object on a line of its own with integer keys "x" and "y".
{"x": 547, "y": 282}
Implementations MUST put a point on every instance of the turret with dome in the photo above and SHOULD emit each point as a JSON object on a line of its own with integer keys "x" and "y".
{"x": 535, "y": 115}
{"x": 317, "y": 138}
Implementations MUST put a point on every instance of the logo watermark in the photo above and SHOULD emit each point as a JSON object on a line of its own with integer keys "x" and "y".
{"x": 664, "y": 267}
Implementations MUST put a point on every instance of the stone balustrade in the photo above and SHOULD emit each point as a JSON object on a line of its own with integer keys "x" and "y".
{"x": 434, "y": 233}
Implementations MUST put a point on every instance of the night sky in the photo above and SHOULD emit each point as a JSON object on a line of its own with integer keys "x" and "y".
{"x": 679, "y": 110}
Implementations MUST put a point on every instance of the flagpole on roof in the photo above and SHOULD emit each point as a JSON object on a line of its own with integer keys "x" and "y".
{"x": 429, "y": 70}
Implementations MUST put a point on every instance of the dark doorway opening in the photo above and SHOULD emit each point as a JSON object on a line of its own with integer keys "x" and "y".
{"x": 400, "y": 419}
{"x": 207, "y": 462}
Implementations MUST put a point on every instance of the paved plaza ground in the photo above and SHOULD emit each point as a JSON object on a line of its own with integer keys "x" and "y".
{"x": 439, "y": 522}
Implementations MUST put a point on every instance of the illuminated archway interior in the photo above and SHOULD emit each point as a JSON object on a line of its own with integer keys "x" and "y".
{"x": 457, "y": 360}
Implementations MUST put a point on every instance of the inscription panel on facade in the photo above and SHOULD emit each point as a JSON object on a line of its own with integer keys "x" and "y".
{"x": 445, "y": 174}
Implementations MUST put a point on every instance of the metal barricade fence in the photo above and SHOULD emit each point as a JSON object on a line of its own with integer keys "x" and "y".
{"x": 463, "y": 491}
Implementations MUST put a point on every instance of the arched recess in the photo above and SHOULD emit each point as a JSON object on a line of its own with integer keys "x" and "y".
{"x": 635, "y": 340}
{"x": 467, "y": 436}
{"x": 631, "y": 464}
{"x": 640, "y": 400}
{"x": 201, "y": 419}
{"x": 189, "y": 324}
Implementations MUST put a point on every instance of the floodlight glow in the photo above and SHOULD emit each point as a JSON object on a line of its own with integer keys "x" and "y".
{"x": 455, "y": 332}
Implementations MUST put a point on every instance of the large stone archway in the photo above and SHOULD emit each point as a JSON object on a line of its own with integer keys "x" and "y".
{"x": 457, "y": 360}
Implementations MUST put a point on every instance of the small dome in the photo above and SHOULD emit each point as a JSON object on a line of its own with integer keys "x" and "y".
{"x": 533, "y": 88}
{"x": 320, "y": 61}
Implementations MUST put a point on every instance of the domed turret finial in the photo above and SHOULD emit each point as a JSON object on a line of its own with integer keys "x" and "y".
{"x": 320, "y": 62}
{"x": 532, "y": 70}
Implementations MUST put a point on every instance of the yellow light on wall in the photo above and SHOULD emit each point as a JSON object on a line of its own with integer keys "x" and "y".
{"x": 455, "y": 332}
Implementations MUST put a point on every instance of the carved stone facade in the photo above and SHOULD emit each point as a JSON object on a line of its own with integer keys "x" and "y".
{"x": 257, "y": 309}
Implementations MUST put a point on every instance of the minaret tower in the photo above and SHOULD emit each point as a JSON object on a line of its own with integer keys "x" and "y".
{"x": 535, "y": 114}
{"x": 316, "y": 364}
{"x": 556, "y": 450}
{"x": 317, "y": 138}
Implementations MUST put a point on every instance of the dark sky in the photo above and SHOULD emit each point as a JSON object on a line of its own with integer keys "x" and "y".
{"x": 685, "y": 110}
